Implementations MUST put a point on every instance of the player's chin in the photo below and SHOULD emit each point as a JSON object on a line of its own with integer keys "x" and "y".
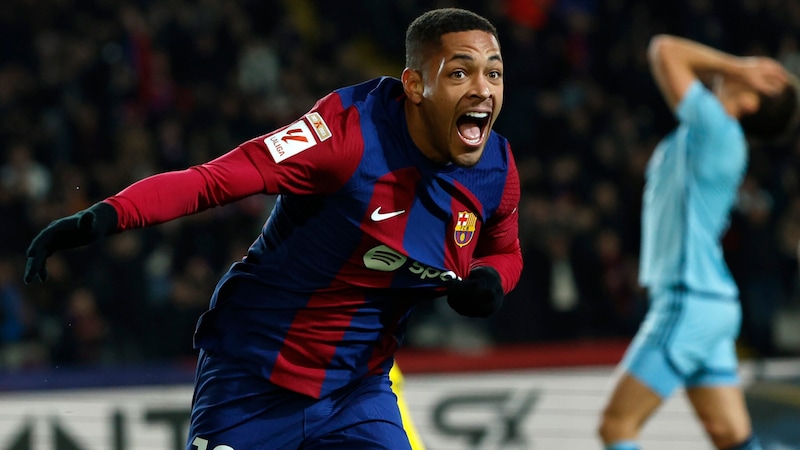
{"x": 467, "y": 157}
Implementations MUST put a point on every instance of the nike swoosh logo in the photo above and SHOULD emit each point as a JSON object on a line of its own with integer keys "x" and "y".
{"x": 377, "y": 215}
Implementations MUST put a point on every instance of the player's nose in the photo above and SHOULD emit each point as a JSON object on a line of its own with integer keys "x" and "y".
{"x": 481, "y": 87}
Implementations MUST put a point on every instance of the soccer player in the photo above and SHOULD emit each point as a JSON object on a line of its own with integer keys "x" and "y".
{"x": 390, "y": 192}
{"x": 688, "y": 335}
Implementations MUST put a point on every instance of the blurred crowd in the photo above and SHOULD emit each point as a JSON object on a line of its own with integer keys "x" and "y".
{"x": 96, "y": 94}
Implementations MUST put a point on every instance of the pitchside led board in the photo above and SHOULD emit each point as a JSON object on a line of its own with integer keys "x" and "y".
{"x": 524, "y": 409}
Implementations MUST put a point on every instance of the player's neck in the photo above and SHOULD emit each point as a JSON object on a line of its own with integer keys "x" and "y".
{"x": 417, "y": 131}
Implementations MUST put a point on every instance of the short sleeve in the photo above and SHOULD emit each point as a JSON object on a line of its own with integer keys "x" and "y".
{"x": 715, "y": 141}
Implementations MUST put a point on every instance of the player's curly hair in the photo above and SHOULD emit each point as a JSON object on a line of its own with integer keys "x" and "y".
{"x": 424, "y": 34}
{"x": 776, "y": 116}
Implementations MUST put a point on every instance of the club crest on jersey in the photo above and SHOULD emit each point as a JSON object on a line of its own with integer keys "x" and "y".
{"x": 465, "y": 228}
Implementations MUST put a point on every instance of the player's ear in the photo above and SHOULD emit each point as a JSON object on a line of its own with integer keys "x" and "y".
{"x": 413, "y": 84}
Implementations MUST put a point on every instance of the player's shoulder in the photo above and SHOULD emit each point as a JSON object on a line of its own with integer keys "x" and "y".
{"x": 346, "y": 104}
{"x": 380, "y": 89}
{"x": 700, "y": 106}
{"x": 497, "y": 140}
{"x": 697, "y": 94}
{"x": 497, "y": 148}
{"x": 703, "y": 115}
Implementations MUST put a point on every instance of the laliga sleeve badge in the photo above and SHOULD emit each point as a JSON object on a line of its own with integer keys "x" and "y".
{"x": 297, "y": 137}
{"x": 465, "y": 228}
{"x": 294, "y": 139}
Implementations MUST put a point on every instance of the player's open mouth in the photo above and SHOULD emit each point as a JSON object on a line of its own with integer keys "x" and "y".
{"x": 472, "y": 127}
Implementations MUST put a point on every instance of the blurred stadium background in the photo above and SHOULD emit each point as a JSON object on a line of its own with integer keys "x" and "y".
{"x": 96, "y": 94}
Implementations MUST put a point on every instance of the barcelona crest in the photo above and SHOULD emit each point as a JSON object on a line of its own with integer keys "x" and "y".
{"x": 465, "y": 228}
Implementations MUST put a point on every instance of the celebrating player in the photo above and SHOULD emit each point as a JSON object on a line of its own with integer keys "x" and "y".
{"x": 389, "y": 192}
{"x": 688, "y": 336}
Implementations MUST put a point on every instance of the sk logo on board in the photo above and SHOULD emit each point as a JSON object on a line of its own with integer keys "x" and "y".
{"x": 465, "y": 228}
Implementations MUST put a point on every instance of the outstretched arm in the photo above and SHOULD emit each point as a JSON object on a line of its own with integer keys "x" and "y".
{"x": 151, "y": 201}
{"x": 676, "y": 62}
{"x": 167, "y": 196}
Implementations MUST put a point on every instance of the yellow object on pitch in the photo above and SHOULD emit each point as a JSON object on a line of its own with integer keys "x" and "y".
{"x": 408, "y": 424}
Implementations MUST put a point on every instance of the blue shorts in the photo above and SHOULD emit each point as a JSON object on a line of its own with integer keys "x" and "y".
{"x": 236, "y": 410}
{"x": 686, "y": 339}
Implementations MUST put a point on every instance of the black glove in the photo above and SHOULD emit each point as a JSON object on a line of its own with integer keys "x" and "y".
{"x": 79, "y": 229}
{"x": 479, "y": 295}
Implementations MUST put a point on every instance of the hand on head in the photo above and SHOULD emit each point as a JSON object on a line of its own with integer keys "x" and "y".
{"x": 765, "y": 75}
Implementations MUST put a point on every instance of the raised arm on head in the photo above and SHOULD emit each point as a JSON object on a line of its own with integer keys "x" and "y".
{"x": 676, "y": 62}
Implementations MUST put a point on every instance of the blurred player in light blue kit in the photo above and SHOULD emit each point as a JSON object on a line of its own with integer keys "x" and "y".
{"x": 688, "y": 336}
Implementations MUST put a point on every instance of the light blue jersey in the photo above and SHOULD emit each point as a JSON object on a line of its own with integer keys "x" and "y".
{"x": 692, "y": 183}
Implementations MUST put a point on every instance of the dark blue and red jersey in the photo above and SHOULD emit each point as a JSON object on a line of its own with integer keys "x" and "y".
{"x": 364, "y": 227}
